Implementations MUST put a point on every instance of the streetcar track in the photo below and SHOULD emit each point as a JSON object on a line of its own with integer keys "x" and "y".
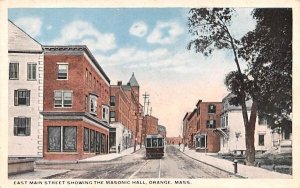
{"x": 132, "y": 175}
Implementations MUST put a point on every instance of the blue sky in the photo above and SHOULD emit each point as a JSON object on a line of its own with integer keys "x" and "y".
{"x": 149, "y": 42}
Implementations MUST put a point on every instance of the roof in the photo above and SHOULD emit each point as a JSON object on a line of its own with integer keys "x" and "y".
{"x": 20, "y": 42}
{"x": 84, "y": 48}
{"x": 133, "y": 81}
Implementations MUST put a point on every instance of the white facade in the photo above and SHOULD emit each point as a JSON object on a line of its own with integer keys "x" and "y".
{"x": 232, "y": 130}
{"x": 25, "y": 52}
{"x": 122, "y": 137}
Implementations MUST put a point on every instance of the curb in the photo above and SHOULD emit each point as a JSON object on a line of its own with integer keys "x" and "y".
{"x": 53, "y": 175}
{"x": 107, "y": 160}
{"x": 231, "y": 173}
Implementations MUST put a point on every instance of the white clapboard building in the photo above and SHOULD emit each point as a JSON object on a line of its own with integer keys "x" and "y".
{"x": 25, "y": 95}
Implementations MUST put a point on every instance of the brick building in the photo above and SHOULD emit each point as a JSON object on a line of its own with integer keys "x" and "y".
{"x": 125, "y": 114}
{"x": 174, "y": 140}
{"x": 151, "y": 124}
{"x": 76, "y": 104}
{"x": 185, "y": 128}
{"x": 25, "y": 94}
{"x": 200, "y": 126}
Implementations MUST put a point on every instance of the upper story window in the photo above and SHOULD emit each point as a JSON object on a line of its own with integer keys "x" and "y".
{"x": 211, "y": 123}
{"x": 31, "y": 71}
{"x": 262, "y": 121}
{"x": 22, "y": 97}
{"x": 13, "y": 71}
{"x": 22, "y": 126}
{"x": 62, "y": 71}
{"x": 211, "y": 108}
{"x": 62, "y": 98}
{"x": 261, "y": 139}
{"x": 93, "y": 104}
{"x": 105, "y": 112}
{"x": 112, "y": 100}
{"x": 112, "y": 116}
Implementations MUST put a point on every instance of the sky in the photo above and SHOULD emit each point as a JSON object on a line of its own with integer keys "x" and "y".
{"x": 149, "y": 42}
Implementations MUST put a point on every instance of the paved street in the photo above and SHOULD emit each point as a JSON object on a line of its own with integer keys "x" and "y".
{"x": 174, "y": 165}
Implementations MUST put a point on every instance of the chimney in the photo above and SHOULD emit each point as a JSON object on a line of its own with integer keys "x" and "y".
{"x": 119, "y": 83}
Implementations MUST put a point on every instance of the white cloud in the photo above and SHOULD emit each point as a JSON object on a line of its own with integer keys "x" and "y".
{"x": 81, "y": 32}
{"x": 133, "y": 56}
{"x": 172, "y": 31}
{"x": 31, "y": 25}
{"x": 138, "y": 29}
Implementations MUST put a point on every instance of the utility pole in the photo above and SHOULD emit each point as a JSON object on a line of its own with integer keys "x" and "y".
{"x": 148, "y": 103}
{"x": 144, "y": 121}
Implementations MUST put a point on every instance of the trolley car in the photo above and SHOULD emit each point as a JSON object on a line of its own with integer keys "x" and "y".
{"x": 154, "y": 145}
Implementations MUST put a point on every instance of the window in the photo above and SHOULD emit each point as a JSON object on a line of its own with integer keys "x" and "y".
{"x": 211, "y": 123}
{"x": 211, "y": 108}
{"x": 62, "y": 71}
{"x": 69, "y": 138}
{"x": 90, "y": 79}
{"x": 54, "y": 139}
{"x": 86, "y": 75}
{"x": 105, "y": 112}
{"x": 112, "y": 116}
{"x": 31, "y": 71}
{"x": 22, "y": 126}
{"x": 62, "y": 98}
{"x": 112, "y": 100}
{"x": 62, "y": 138}
{"x": 93, "y": 104}
{"x": 261, "y": 139}
{"x": 262, "y": 121}
{"x": 92, "y": 141}
{"x": 13, "y": 71}
{"x": 201, "y": 141}
{"x": 86, "y": 139}
{"x": 22, "y": 97}
{"x": 98, "y": 142}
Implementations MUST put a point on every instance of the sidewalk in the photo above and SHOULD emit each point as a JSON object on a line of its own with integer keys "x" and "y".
{"x": 110, "y": 156}
{"x": 48, "y": 173}
{"x": 223, "y": 164}
{"x": 38, "y": 174}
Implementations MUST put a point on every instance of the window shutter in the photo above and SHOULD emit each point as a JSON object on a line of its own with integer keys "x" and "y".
{"x": 16, "y": 125}
{"x": 28, "y": 126}
{"x": 16, "y": 97}
{"x": 10, "y": 70}
{"x": 214, "y": 126}
{"x": 28, "y": 97}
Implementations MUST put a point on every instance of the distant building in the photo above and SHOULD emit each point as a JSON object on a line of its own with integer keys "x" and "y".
{"x": 125, "y": 114}
{"x": 232, "y": 130}
{"x": 162, "y": 130}
{"x": 76, "y": 104}
{"x": 174, "y": 140}
{"x": 25, "y": 95}
{"x": 151, "y": 124}
{"x": 185, "y": 128}
{"x": 198, "y": 127}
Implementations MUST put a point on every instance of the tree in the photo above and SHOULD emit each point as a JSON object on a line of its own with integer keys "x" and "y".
{"x": 210, "y": 27}
{"x": 268, "y": 51}
{"x": 263, "y": 81}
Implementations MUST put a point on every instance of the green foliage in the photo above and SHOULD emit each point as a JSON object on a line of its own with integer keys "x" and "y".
{"x": 268, "y": 51}
{"x": 209, "y": 27}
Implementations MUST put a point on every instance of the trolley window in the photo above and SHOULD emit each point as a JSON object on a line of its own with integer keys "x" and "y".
{"x": 148, "y": 142}
{"x": 154, "y": 142}
{"x": 160, "y": 142}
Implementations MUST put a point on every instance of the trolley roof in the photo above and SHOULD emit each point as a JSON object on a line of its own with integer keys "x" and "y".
{"x": 154, "y": 136}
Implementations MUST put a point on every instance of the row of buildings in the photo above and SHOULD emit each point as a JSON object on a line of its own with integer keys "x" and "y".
{"x": 218, "y": 127}
{"x": 62, "y": 105}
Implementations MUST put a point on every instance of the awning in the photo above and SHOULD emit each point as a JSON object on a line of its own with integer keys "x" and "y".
{"x": 221, "y": 132}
